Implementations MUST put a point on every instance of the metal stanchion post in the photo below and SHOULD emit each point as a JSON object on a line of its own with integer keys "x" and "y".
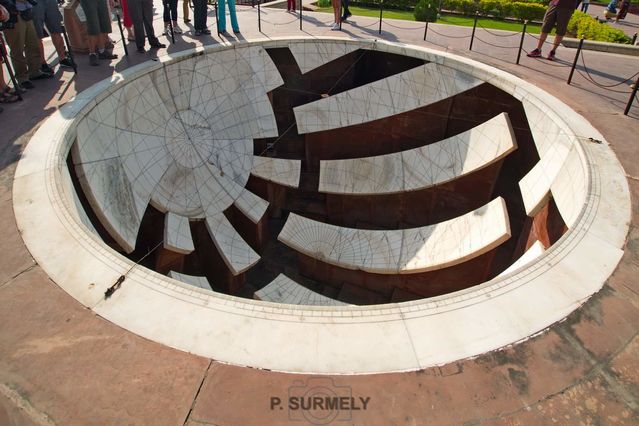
{"x": 259, "y": 16}
{"x": 632, "y": 97}
{"x": 70, "y": 53}
{"x": 574, "y": 63}
{"x": 167, "y": 10}
{"x": 472, "y": 36}
{"x": 521, "y": 42}
{"x": 634, "y": 39}
{"x": 425, "y": 30}
{"x": 126, "y": 49}
{"x": 5, "y": 59}
{"x": 381, "y": 12}
{"x": 300, "y": 15}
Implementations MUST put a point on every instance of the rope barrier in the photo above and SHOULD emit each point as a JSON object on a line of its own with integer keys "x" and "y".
{"x": 496, "y": 34}
{"x": 605, "y": 86}
{"x": 421, "y": 27}
{"x": 446, "y": 35}
{"x": 587, "y": 77}
{"x": 496, "y": 45}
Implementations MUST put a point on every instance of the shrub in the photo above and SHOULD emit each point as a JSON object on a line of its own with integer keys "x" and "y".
{"x": 492, "y": 7}
{"x": 426, "y": 11}
{"x": 529, "y": 11}
{"x": 324, "y": 3}
{"x": 583, "y": 25}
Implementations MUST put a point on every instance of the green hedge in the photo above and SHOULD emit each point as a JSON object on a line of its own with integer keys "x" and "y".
{"x": 583, "y": 25}
{"x": 426, "y": 11}
{"x": 522, "y": 10}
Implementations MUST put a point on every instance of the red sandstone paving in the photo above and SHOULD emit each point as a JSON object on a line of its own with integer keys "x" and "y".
{"x": 76, "y": 368}
{"x": 15, "y": 257}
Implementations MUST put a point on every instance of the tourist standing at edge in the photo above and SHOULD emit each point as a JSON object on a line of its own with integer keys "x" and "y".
{"x": 290, "y": 6}
{"x": 47, "y": 12}
{"x": 170, "y": 14}
{"x": 141, "y": 12}
{"x": 23, "y": 42}
{"x": 584, "y": 6}
{"x": 221, "y": 16}
{"x": 98, "y": 28}
{"x": 558, "y": 14}
{"x": 199, "y": 16}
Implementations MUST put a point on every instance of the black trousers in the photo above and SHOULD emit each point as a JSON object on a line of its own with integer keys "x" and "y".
{"x": 170, "y": 10}
{"x": 200, "y": 10}
{"x": 345, "y": 8}
{"x": 141, "y": 12}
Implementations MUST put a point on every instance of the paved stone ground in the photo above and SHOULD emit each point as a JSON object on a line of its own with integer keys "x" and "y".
{"x": 61, "y": 364}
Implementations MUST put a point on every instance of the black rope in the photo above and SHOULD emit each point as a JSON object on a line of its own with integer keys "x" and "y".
{"x": 496, "y": 34}
{"x": 589, "y": 78}
{"x": 430, "y": 29}
{"x": 496, "y": 45}
{"x": 272, "y": 145}
{"x": 421, "y": 27}
{"x": 605, "y": 86}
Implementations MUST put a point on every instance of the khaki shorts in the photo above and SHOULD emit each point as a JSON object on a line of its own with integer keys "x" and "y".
{"x": 98, "y": 18}
{"x": 555, "y": 15}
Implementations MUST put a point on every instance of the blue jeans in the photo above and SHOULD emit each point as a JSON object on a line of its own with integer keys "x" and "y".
{"x": 221, "y": 15}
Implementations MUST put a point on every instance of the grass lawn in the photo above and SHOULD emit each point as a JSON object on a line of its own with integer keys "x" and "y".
{"x": 464, "y": 21}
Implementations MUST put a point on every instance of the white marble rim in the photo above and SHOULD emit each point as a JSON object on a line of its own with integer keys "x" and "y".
{"x": 311, "y": 339}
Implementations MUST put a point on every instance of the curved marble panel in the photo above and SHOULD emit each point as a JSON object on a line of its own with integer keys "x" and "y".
{"x": 402, "y": 251}
{"x": 284, "y": 290}
{"x": 398, "y": 93}
{"x": 422, "y": 167}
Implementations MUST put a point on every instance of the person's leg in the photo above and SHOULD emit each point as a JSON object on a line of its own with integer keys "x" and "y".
{"x": 185, "y": 11}
{"x": 234, "y": 24}
{"x": 15, "y": 40}
{"x": 586, "y": 7}
{"x": 347, "y": 12}
{"x": 336, "y": 12}
{"x": 199, "y": 13}
{"x": 147, "y": 16}
{"x": 221, "y": 15}
{"x": 135, "y": 10}
{"x": 32, "y": 51}
{"x": 563, "y": 17}
{"x": 93, "y": 29}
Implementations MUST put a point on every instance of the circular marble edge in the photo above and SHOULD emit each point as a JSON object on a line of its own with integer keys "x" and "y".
{"x": 324, "y": 340}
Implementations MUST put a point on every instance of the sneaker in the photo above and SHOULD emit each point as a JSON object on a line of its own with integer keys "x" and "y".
{"x": 107, "y": 55}
{"x": 551, "y": 55}
{"x": 141, "y": 49}
{"x": 177, "y": 29}
{"x": 187, "y": 20}
{"x": 206, "y": 32}
{"x": 93, "y": 59}
{"x": 158, "y": 45}
{"x": 535, "y": 54}
{"x": 237, "y": 31}
{"x": 167, "y": 31}
{"x": 198, "y": 32}
{"x": 45, "y": 68}
{"x": 335, "y": 27}
{"x": 66, "y": 63}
